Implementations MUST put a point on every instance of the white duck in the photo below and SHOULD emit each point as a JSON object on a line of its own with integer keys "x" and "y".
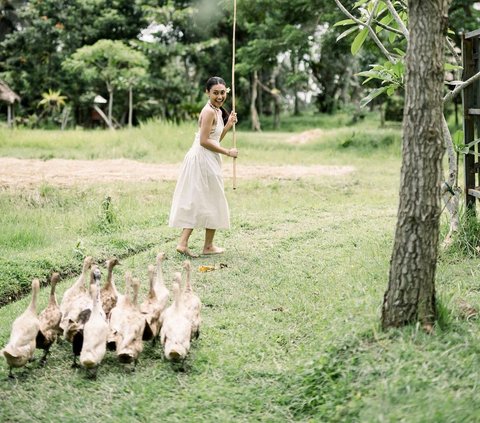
{"x": 49, "y": 320}
{"x": 117, "y": 319}
{"x": 191, "y": 302}
{"x": 151, "y": 309}
{"x": 78, "y": 314}
{"x": 161, "y": 291}
{"x": 176, "y": 329}
{"x": 21, "y": 346}
{"x": 71, "y": 293}
{"x": 129, "y": 337}
{"x": 109, "y": 293}
{"x": 95, "y": 331}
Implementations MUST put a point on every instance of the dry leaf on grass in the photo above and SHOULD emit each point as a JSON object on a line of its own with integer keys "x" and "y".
{"x": 208, "y": 268}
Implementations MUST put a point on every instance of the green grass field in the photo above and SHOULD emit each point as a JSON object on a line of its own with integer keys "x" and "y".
{"x": 290, "y": 327}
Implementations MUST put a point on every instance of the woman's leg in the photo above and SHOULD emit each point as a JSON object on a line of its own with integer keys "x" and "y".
{"x": 182, "y": 246}
{"x": 209, "y": 248}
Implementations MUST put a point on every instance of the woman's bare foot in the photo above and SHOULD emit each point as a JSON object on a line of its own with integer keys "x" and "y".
{"x": 186, "y": 251}
{"x": 213, "y": 250}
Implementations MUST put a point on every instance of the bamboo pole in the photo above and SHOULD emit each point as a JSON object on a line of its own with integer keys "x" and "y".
{"x": 233, "y": 93}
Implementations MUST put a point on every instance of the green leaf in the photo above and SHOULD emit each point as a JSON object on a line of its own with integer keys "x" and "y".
{"x": 457, "y": 139}
{"x": 391, "y": 37}
{"x": 391, "y": 90}
{"x": 359, "y": 40}
{"x": 450, "y": 66}
{"x": 345, "y": 22}
{"x": 374, "y": 93}
{"x": 360, "y": 3}
{"x": 347, "y": 32}
{"x": 386, "y": 19}
{"x": 371, "y": 75}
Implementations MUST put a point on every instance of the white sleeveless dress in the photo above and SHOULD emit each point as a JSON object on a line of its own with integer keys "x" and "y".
{"x": 199, "y": 198}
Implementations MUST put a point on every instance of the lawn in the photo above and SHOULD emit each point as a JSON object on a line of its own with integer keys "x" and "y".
{"x": 290, "y": 326}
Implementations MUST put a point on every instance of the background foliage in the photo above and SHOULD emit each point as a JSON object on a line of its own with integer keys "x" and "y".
{"x": 290, "y": 43}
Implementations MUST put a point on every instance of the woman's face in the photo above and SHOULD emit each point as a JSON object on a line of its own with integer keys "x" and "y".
{"x": 217, "y": 95}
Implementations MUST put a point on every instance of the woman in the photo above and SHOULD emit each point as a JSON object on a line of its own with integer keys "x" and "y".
{"x": 199, "y": 199}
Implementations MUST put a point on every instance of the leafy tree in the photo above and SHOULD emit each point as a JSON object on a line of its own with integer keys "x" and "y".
{"x": 410, "y": 295}
{"x": 111, "y": 62}
{"x": 49, "y": 31}
{"x": 8, "y": 16}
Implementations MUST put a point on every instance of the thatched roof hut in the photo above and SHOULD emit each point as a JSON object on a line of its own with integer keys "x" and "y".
{"x": 7, "y": 95}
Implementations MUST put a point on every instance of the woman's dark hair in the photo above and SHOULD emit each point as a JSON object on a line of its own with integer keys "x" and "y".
{"x": 215, "y": 80}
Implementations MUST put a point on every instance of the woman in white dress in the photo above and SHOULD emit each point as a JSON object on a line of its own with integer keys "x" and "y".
{"x": 199, "y": 198}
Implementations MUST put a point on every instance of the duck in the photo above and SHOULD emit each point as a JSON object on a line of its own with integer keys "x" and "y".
{"x": 95, "y": 332}
{"x": 176, "y": 329}
{"x": 49, "y": 319}
{"x": 77, "y": 316}
{"x": 129, "y": 336}
{"x": 116, "y": 321}
{"x": 161, "y": 291}
{"x": 191, "y": 302}
{"x": 21, "y": 346}
{"x": 151, "y": 309}
{"x": 76, "y": 289}
{"x": 109, "y": 292}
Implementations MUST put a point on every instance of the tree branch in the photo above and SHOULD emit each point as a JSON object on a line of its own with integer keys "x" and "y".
{"x": 451, "y": 48}
{"x": 370, "y": 30}
{"x": 460, "y": 87}
{"x": 397, "y": 18}
{"x": 268, "y": 90}
{"x": 388, "y": 28}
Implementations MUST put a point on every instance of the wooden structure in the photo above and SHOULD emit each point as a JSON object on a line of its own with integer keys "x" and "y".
{"x": 9, "y": 97}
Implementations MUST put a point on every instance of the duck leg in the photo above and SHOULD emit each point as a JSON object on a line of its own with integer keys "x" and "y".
{"x": 75, "y": 364}
{"x": 92, "y": 373}
{"x": 43, "y": 359}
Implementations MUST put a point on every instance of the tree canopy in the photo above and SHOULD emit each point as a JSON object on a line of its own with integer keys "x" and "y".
{"x": 287, "y": 48}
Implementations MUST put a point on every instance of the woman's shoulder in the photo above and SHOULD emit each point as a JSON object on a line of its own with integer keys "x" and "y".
{"x": 207, "y": 113}
{"x": 208, "y": 110}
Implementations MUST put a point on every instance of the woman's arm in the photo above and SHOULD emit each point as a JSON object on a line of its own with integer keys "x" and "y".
{"x": 232, "y": 118}
{"x": 206, "y": 125}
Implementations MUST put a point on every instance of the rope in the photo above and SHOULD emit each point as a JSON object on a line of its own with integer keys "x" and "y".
{"x": 233, "y": 92}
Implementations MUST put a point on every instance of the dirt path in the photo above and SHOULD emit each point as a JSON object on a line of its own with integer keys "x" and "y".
{"x": 32, "y": 172}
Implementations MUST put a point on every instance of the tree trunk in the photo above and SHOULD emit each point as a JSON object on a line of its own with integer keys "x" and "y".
{"x": 9, "y": 115}
{"x": 410, "y": 295}
{"x": 253, "y": 108}
{"x": 130, "y": 106}
{"x": 110, "y": 105}
{"x": 296, "y": 104}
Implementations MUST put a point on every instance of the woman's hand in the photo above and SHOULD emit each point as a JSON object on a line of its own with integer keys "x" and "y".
{"x": 232, "y": 152}
{"x": 232, "y": 119}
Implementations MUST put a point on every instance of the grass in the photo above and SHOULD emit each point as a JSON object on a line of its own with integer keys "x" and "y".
{"x": 290, "y": 327}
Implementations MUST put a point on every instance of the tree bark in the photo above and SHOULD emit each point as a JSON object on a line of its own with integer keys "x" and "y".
{"x": 130, "y": 106}
{"x": 110, "y": 104}
{"x": 9, "y": 115}
{"x": 410, "y": 295}
{"x": 253, "y": 108}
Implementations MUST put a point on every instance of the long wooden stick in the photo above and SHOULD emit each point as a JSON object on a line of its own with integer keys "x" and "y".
{"x": 233, "y": 92}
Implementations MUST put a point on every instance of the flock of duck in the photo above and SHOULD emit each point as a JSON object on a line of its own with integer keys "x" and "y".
{"x": 94, "y": 319}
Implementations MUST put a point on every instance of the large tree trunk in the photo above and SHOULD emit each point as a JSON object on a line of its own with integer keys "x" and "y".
{"x": 410, "y": 295}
